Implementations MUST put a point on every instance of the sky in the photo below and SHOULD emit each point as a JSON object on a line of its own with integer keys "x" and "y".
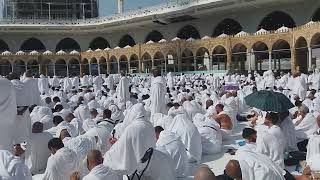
{"x": 107, "y": 7}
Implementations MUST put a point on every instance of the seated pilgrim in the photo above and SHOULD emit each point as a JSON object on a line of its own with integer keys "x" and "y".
{"x": 305, "y": 125}
{"x": 170, "y": 143}
{"x": 249, "y": 165}
{"x": 211, "y": 137}
{"x": 224, "y": 120}
{"x": 61, "y": 164}
{"x": 37, "y": 154}
{"x": 189, "y": 134}
{"x": 97, "y": 170}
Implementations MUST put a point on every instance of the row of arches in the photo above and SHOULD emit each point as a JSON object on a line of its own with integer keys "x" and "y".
{"x": 271, "y": 21}
{"x": 242, "y": 57}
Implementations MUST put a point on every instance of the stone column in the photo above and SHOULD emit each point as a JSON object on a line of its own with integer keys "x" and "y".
{"x": 249, "y": 59}
{"x": 195, "y": 62}
{"x": 67, "y": 69}
{"x": 229, "y": 59}
{"x": 54, "y": 69}
{"x": 309, "y": 58}
{"x": 99, "y": 71}
{"x": 152, "y": 64}
{"x": 90, "y": 69}
{"x": 210, "y": 62}
{"x": 40, "y": 68}
{"x": 108, "y": 67}
{"x": 81, "y": 69}
{"x": 270, "y": 60}
{"x": 118, "y": 67}
{"x": 179, "y": 63}
{"x": 165, "y": 64}
{"x": 293, "y": 59}
{"x": 128, "y": 66}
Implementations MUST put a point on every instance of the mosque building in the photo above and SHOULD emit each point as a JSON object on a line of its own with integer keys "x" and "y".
{"x": 178, "y": 36}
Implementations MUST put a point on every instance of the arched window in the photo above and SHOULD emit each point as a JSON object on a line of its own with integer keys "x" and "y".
{"x": 126, "y": 40}
{"x": 4, "y": 46}
{"x": 316, "y": 15}
{"x": 188, "y": 32}
{"x": 227, "y": 26}
{"x": 68, "y": 44}
{"x": 154, "y": 36}
{"x": 32, "y": 44}
{"x": 99, "y": 43}
{"x": 275, "y": 20}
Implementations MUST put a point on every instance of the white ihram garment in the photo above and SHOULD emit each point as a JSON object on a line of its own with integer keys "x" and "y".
{"x": 189, "y": 134}
{"x": 255, "y": 166}
{"x": 8, "y": 113}
{"x": 171, "y": 144}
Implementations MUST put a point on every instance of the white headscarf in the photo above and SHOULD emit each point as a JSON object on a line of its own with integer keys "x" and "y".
{"x": 82, "y": 113}
{"x": 189, "y": 134}
{"x": 125, "y": 155}
{"x": 117, "y": 115}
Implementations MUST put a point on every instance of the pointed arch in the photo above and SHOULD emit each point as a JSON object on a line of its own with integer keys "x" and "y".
{"x": 32, "y": 44}
{"x": 126, "y": 40}
{"x": 172, "y": 61}
{"x": 33, "y": 65}
{"x": 187, "y": 32}
{"x": 154, "y": 36}
{"x": 275, "y": 20}
{"x": 281, "y": 55}
{"x": 134, "y": 63}
{"x": 316, "y": 15}
{"x": 5, "y": 67}
{"x": 74, "y": 67}
{"x": 99, "y": 43}
{"x": 103, "y": 65}
{"x": 19, "y": 67}
{"x": 227, "y": 26}
{"x": 61, "y": 68}
{"x": 261, "y": 55}
{"x": 4, "y": 46}
{"x": 301, "y": 51}
{"x": 187, "y": 60}
{"x": 219, "y": 58}
{"x": 123, "y": 62}
{"x": 68, "y": 44}
{"x": 239, "y": 58}
{"x": 202, "y": 59}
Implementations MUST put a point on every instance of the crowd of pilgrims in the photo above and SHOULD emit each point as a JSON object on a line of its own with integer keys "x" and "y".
{"x": 153, "y": 127}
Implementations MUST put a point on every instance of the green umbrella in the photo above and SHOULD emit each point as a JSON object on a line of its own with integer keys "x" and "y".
{"x": 269, "y": 101}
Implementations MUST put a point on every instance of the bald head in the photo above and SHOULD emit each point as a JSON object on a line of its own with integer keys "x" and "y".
{"x": 204, "y": 173}
{"x": 94, "y": 158}
{"x": 233, "y": 170}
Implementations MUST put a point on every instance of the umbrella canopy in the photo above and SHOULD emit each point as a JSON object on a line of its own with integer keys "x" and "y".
{"x": 269, "y": 101}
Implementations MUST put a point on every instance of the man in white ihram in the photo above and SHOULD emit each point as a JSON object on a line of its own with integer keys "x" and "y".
{"x": 8, "y": 113}
{"x": 123, "y": 91}
{"x": 97, "y": 170}
{"x": 169, "y": 143}
{"x": 158, "y": 92}
{"x": 131, "y": 152}
{"x": 61, "y": 164}
{"x": 37, "y": 154}
{"x": 32, "y": 88}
